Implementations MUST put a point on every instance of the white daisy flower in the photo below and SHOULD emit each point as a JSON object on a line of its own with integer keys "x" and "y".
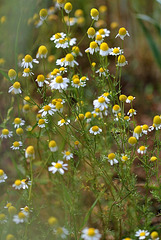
{"x": 42, "y": 52}
{"x": 16, "y": 145}
{"x": 72, "y": 41}
{"x": 116, "y": 51}
{"x": 27, "y": 62}
{"x": 91, "y": 32}
{"x": 88, "y": 116}
{"x": 102, "y": 72}
{"x": 130, "y": 99}
{"x": 93, "y": 47}
{"x": 121, "y": 61}
{"x": 12, "y": 74}
{"x": 131, "y": 112}
{"x": 3, "y": 218}
{"x": 42, "y": 122}
{"x": 62, "y": 70}
{"x": 145, "y": 128}
{"x": 112, "y": 159}
{"x": 62, "y": 43}
{"x": 58, "y": 167}
{"x": 27, "y": 72}
{"x": 67, "y": 155}
{"x": 69, "y": 60}
{"x": 21, "y": 217}
{"x": 61, "y": 232}
{"x": 104, "y": 32}
{"x": 16, "y": 88}
{"x": 30, "y": 152}
{"x": 60, "y": 62}
{"x": 76, "y": 83}
{"x": 26, "y": 210}
{"x": 101, "y": 103}
{"x": 3, "y": 176}
{"x": 6, "y": 133}
{"x": 47, "y": 109}
{"x": 63, "y": 122}
{"x": 59, "y": 83}
{"x": 26, "y": 183}
{"x": 76, "y": 51}
{"x": 142, "y": 234}
{"x": 94, "y": 14}
{"x": 142, "y": 150}
{"x": 99, "y": 39}
{"x": 104, "y": 49}
{"x": 156, "y": 122}
{"x": 95, "y": 130}
{"x": 53, "y": 146}
{"x": 90, "y": 234}
{"x": 18, "y": 122}
{"x": 122, "y": 33}
{"x": 56, "y": 37}
{"x": 41, "y": 80}
{"x": 137, "y": 132}
{"x": 124, "y": 157}
{"x": 17, "y": 184}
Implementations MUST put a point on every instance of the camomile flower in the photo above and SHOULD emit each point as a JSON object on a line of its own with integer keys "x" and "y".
{"x": 122, "y": 98}
{"x": 104, "y": 49}
{"x": 60, "y": 62}
{"x": 47, "y": 109}
{"x": 142, "y": 234}
{"x": 54, "y": 73}
{"x": 69, "y": 60}
{"x": 145, "y": 129}
{"x": 90, "y": 234}
{"x": 43, "y": 14}
{"x": 27, "y": 61}
{"x": 124, "y": 157}
{"x": 130, "y": 99}
{"x": 95, "y": 130}
{"x": 62, "y": 43}
{"x": 102, "y": 72}
{"x": 27, "y": 72}
{"x": 116, "y": 109}
{"x": 62, "y": 70}
{"x": 26, "y": 210}
{"x": 18, "y": 122}
{"x": 154, "y": 235}
{"x": 67, "y": 155}
{"x": 53, "y": 146}
{"x": 3, "y": 218}
{"x": 94, "y": 14}
{"x": 16, "y": 145}
{"x": 153, "y": 159}
{"x": 76, "y": 51}
{"x": 17, "y": 184}
{"x": 63, "y": 122}
{"x": 25, "y": 183}
{"x": 122, "y": 33}
{"x": 8, "y": 205}
{"x": 21, "y": 217}
{"x": 76, "y": 83}
{"x": 104, "y": 32}
{"x": 30, "y": 152}
{"x": 29, "y": 128}
{"x": 70, "y": 21}
{"x": 59, "y": 83}
{"x": 12, "y": 74}
{"x": 41, "y": 122}
{"x": 59, "y": 107}
{"x": 16, "y": 88}
{"x": 58, "y": 167}
{"x": 61, "y": 232}
{"x": 42, "y": 52}
{"x": 56, "y": 37}
{"x": 131, "y": 112}
{"x": 68, "y": 7}
{"x": 88, "y": 116}
{"x": 137, "y": 132}
{"x": 121, "y": 61}
{"x": 142, "y": 150}
{"x": 157, "y": 122}
{"x": 116, "y": 51}
{"x": 52, "y": 221}
{"x": 41, "y": 80}
{"x": 91, "y": 32}
{"x": 132, "y": 141}
{"x": 3, "y": 176}
{"x": 99, "y": 39}
{"x": 93, "y": 47}
{"x": 6, "y": 133}
{"x": 112, "y": 159}
{"x": 101, "y": 103}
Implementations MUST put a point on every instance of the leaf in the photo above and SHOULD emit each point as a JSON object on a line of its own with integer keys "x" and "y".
{"x": 151, "y": 42}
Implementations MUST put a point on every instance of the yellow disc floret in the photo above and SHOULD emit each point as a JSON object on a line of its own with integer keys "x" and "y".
{"x": 132, "y": 140}
{"x": 30, "y": 150}
{"x": 28, "y": 58}
{"x": 52, "y": 221}
{"x": 16, "y": 85}
{"x": 17, "y": 121}
{"x": 16, "y": 144}
{"x": 111, "y": 156}
{"x": 40, "y": 78}
{"x": 157, "y": 120}
{"x": 42, "y": 50}
{"x": 154, "y": 235}
{"x": 122, "y": 31}
{"x": 122, "y": 98}
{"x": 121, "y": 59}
{"x": 1, "y": 172}
{"x": 21, "y": 215}
{"x": 5, "y": 131}
{"x": 91, "y": 31}
{"x": 93, "y": 45}
{"x": 58, "y": 165}
{"x": 104, "y": 46}
{"x": 138, "y": 129}
{"x": 91, "y": 232}
{"x": 68, "y": 7}
{"x": 69, "y": 57}
{"x": 94, "y": 12}
{"x": 12, "y": 73}
{"x": 153, "y": 159}
{"x": 95, "y": 128}
{"x": 43, "y": 13}
{"x": 52, "y": 144}
{"x": 47, "y": 108}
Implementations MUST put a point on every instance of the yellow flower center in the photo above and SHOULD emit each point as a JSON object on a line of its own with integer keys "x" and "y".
{"x": 142, "y": 234}
{"x": 26, "y": 209}
{"x": 16, "y": 144}
{"x": 88, "y": 115}
{"x": 138, "y": 130}
{"x": 122, "y": 98}
{"x": 101, "y": 99}
{"x": 94, "y": 12}
{"x": 62, "y": 69}
{"x": 75, "y": 49}
{"x": 62, "y": 121}
{"x": 21, "y": 215}
{"x": 62, "y": 41}
{"x": 59, "y": 105}
{"x": 10, "y": 237}
{"x": 52, "y": 144}
{"x": 121, "y": 59}
{"x": 1, "y": 172}
{"x": 91, "y": 232}
{"x": 59, "y": 79}
{"x": 68, "y": 6}
{"x": 93, "y": 45}
{"x": 41, "y": 121}
{"x": 11, "y": 73}
{"x": 47, "y": 108}
{"x": 111, "y": 156}
{"x": 67, "y": 153}
{"x": 78, "y": 13}
{"x": 5, "y": 131}
{"x": 18, "y": 182}
{"x": 154, "y": 235}
{"x": 81, "y": 116}
{"x": 58, "y": 165}
{"x": 153, "y": 158}
{"x": 122, "y": 31}
{"x": 27, "y": 98}
{"x": 130, "y": 98}
{"x": 101, "y": 31}
{"x": 126, "y": 118}
{"x": 2, "y": 216}
{"x": 60, "y": 1}
{"x": 157, "y": 120}
{"x": 116, "y": 50}
{"x": 27, "y": 70}
{"x": 52, "y": 221}
{"x": 132, "y": 110}
{"x": 132, "y": 140}
{"x": 104, "y": 46}
{"x": 101, "y": 70}
{"x": 124, "y": 158}
{"x": 95, "y": 128}
{"x": 43, "y": 12}
{"x": 98, "y": 37}
{"x": 91, "y": 31}
{"x": 17, "y": 121}
{"x": 57, "y": 35}
{"x": 26, "y": 107}
{"x": 28, "y": 58}
{"x": 76, "y": 81}
{"x": 97, "y": 110}
{"x": 16, "y": 85}
{"x": 8, "y": 205}
{"x": 69, "y": 57}
{"x": 116, "y": 108}
{"x": 40, "y": 78}
{"x": 42, "y": 50}
{"x": 30, "y": 150}
{"x": 145, "y": 127}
